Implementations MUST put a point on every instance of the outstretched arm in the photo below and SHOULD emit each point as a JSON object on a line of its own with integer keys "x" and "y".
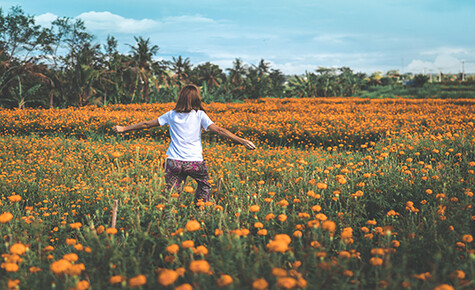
{"x": 225, "y": 133}
{"x": 138, "y": 126}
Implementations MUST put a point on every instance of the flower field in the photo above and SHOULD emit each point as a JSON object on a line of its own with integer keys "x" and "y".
{"x": 341, "y": 193}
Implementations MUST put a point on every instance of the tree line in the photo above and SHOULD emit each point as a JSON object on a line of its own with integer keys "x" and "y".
{"x": 61, "y": 66}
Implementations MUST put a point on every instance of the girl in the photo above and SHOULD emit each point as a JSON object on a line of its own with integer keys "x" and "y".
{"x": 185, "y": 156}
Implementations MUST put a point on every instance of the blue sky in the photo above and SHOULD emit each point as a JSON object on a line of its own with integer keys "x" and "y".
{"x": 294, "y": 36}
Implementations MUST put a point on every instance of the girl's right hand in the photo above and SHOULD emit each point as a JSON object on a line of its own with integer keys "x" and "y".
{"x": 249, "y": 145}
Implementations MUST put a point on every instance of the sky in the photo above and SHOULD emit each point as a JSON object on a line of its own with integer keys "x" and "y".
{"x": 294, "y": 36}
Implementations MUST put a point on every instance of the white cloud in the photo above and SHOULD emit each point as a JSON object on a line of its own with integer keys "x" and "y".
{"x": 45, "y": 19}
{"x": 112, "y": 23}
{"x": 445, "y": 63}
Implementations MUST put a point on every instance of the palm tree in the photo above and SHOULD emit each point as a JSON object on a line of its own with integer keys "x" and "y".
{"x": 182, "y": 69}
{"x": 142, "y": 54}
{"x": 208, "y": 73}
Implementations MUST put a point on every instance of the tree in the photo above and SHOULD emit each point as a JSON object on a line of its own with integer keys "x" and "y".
{"x": 208, "y": 73}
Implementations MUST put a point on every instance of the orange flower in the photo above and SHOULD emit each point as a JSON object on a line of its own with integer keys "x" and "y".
{"x": 444, "y": 286}
{"x": 279, "y": 272}
{"x": 60, "y": 267}
{"x": 167, "y": 277}
{"x": 10, "y": 267}
{"x": 376, "y": 261}
{"x": 137, "y": 281}
{"x": 82, "y": 285}
{"x": 71, "y": 257}
{"x": 316, "y": 208}
{"x": 467, "y": 238}
{"x": 347, "y": 233}
{"x": 321, "y": 185}
{"x": 269, "y": 216}
{"x": 13, "y": 284}
{"x": 18, "y": 249}
{"x": 117, "y": 279}
{"x": 14, "y": 198}
{"x": 192, "y": 226}
{"x": 116, "y": 154}
{"x": 260, "y": 284}
{"x": 262, "y": 232}
{"x": 173, "y": 249}
{"x": 187, "y": 244}
{"x": 278, "y": 246}
{"x": 200, "y": 266}
{"x": 185, "y": 286}
{"x": 188, "y": 189}
{"x": 282, "y": 217}
{"x": 111, "y": 231}
{"x": 286, "y": 282}
{"x": 255, "y": 208}
{"x": 224, "y": 280}
{"x": 71, "y": 242}
{"x": 200, "y": 250}
{"x": 5, "y": 217}
{"x": 75, "y": 225}
{"x": 297, "y": 234}
{"x": 100, "y": 229}
{"x": 34, "y": 269}
{"x": 329, "y": 226}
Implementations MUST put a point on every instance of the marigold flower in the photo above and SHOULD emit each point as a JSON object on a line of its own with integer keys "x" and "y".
{"x": 10, "y": 267}
{"x": 13, "y": 284}
{"x": 188, "y": 189}
{"x": 467, "y": 238}
{"x": 82, "y": 285}
{"x": 100, "y": 229}
{"x": 34, "y": 269}
{"x": 60, "y": 267}
{"x": 185, "y": 286}
{"x": 111, "y": 231}
{"x": 224, "y": 280}
{"x": 14, "y": 198}
{"x": 71, "y": 242}
{"x": 260, "y": 284}
{"x": 255, "y": 208}
{"x": 376, "y": 261}
{"x": 137, "y": 281}
{"x": 200, "y": 250}
{"x": 269, "y": 216}
{"x": 444, "y": 287}
{"x": 18, "y": 249}
{"x": 282, "y": 217}
{"x": 76, "y": 269}
{"x": 5, "y": 217}
{"x": 286, "y": 282}
{"x": 117, "y": 279}
{"x": 71, "y": 257}
{"x": 192, "y": 226}
{"x": 297, "y": 234}
{"x": 187, "y": 244}
{"x": 200, "y": 266}
{"x": 316, "y": 208}
{"x": 348, "y": 273}
{"x": 262, "y": 232}
{"x": 279, "y": 272}
{"x": 173, "y": 249}
{"x": 75, "y": 225}
{"x": 321, "y": 185}
{"x": 278, "y": 246}
{"x": 167, "y": 277}
{"x": 329, "y": 226}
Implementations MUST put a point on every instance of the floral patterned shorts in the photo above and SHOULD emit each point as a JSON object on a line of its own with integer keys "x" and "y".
{"x": 176, "y": 172}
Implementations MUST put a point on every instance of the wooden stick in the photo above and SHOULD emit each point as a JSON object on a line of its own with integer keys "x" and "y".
{"x": 114, "y": 213}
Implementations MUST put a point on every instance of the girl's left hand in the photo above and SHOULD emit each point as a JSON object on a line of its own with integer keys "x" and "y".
{"x": 118, "y": 129}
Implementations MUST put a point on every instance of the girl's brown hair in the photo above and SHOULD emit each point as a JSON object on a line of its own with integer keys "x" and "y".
{"x": 189, "y": 99}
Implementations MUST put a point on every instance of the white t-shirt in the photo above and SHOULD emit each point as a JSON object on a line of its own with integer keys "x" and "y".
{"x": 185, "y": 134}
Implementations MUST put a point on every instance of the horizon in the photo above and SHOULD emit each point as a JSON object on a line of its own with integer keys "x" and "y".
{"x": 293, "y": 37}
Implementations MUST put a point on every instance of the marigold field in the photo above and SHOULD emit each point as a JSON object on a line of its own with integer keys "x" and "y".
{"x": 341, "y": 193}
